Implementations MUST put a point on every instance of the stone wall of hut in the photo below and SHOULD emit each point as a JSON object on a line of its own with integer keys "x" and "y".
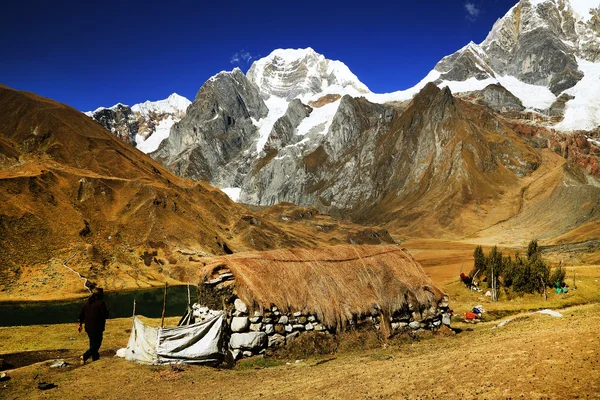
{"x": 252, "y": 332}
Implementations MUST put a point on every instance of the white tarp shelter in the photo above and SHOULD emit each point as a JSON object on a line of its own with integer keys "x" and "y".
{"x": 191, "y": 344}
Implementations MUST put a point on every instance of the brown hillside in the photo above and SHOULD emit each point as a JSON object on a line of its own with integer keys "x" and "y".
{"x": 72, "y": 191}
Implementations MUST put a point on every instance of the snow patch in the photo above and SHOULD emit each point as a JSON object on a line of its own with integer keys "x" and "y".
{"x": 532, "y": 96}
{"x": 319, "y": 120}
{"x": 233, "y": 193}
{"x": 583, "y": 112}
{"x": 277, "y": 108}
{"x": 174, "y": 104}
{"x": 163, "y": 129}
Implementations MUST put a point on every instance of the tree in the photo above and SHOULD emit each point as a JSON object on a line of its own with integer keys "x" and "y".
{"x": 533, "y": 250}
{"x": 493, "y": 267}
{"x": 478, "y": 261}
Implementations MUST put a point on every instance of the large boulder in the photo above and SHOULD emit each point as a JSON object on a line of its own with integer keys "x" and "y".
{"x": 240, "y": 306}
{"x": 248, "y": 340}
{"x": 239, "y": 324}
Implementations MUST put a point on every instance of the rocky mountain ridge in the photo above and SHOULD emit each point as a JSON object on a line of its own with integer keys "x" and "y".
{"x": 142, "y": 125}
{"x": 76, "y": 198}
{"x": 300, "y": 128}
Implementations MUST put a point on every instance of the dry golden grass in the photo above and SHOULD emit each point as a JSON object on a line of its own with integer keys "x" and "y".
{"x": 334, "y": 283}
{"x": 534, "y": 357}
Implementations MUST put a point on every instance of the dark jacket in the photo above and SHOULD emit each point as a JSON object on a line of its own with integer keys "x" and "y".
{"x": 94, "y": 314}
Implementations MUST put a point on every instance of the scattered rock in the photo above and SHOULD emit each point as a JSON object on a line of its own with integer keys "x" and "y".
{"x": 257, "y": 314}
{"x": 240, "y": 306}
{"x": 283, "y": 319}
{"x": 288, "y": 328}
{"x": 446, "y": 319}
{"x": 248, "y": 340}
{"x": 311, "y": 318}
{"x": 298, "y": 327}
{"x": 235, "y": 353}
{"x": 302, "y": 320}
{"x": 255, "y": 320}
{"x": 46, "y": 386}
{"x": 297, "y": 314}
{"x": 239, "y": 324}
{"x": 4, "y": 376}
{"x": 399, "y": 325}
{"x": 280, "y": 328}
{"x": 256, "y": 327}
{"x": 269, "y": 329}
{"x": 267, "y": 320}
{"x": 319, "y": 327}
{"x": 58, "y": 364}
{"x": 309, "y": 327}
{"x": 291, "y": 336}
{"x": 247, "y": 353}
{"x": 415, "y": 324}
{"x": 276, "y": 340}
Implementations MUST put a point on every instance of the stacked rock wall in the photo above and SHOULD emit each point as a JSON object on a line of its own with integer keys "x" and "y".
{"x": 253, "y": 331}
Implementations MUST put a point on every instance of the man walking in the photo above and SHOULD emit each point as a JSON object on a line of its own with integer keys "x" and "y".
{"x": 93, "y": 314}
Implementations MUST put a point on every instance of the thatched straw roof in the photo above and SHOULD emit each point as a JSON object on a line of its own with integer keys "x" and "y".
{"x": 333, "y": 283}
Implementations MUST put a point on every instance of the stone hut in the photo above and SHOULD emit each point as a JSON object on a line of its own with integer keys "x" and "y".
{"x": 271, "y": 297}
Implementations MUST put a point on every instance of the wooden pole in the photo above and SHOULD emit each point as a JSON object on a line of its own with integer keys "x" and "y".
{"x": 162, "y": 322}
{"x": 134, "y": 308}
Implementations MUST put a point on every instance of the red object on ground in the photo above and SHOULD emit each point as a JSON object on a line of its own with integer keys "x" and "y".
{"x": 470, "y": 315}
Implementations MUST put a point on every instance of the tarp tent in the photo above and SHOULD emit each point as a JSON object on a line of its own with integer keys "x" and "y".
{"x": 200, "y": 343}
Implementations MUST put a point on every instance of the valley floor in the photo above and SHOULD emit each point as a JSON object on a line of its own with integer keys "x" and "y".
{"x": 534, "y": 356}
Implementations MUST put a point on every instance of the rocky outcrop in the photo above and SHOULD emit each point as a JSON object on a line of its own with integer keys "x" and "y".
{"x": 499, "y": 99}
{"x": 558, "y": 107}
{"x": 374, "y": 155}
{"x": 143, "y": 125}
{"x": 283, "y": 133}
{"x": 537, "y": 42}
{"x": 119, "y": 120}
{"x": 208, "y": 143}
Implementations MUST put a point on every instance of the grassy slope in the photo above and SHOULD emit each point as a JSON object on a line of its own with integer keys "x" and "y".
{"x": 538, "y": 356}
{"x": 534, "y": 356}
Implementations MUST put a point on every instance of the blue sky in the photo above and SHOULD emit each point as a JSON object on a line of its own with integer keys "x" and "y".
{"x": 91, "y": 54}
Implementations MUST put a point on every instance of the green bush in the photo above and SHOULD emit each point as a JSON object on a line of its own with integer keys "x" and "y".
{"x": 523, "y": 275}
{"x": 557, "y": 277}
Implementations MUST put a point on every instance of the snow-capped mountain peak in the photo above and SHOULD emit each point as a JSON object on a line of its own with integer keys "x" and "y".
{"x": 145, "y": 124}
{"x": 291, "y": 73}
{"x": 174, "y": 104}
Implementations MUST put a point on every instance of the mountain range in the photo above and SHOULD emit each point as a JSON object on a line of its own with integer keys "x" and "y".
{"x": 300, "y": 128}
{"x": 499, "y": 143}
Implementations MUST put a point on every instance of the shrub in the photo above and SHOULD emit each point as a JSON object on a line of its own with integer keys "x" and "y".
{"x": 522, "y": 275}
{"x": 557, "y": 276}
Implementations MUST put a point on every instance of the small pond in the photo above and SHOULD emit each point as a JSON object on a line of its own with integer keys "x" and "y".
{"x": 148, "y": 303}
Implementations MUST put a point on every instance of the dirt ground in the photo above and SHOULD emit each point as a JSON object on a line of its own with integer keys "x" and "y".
{"x": 534, "y": 356}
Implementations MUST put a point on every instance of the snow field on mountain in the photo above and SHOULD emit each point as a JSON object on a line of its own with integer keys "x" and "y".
{"x": 319, "y": 120}
{"x": 174, "y": 104}
{"x": 232, "y": 192}
{"x": 277, "y": 108}
{"x": 583, "y": 112}
{"x": 163, "y": 129}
